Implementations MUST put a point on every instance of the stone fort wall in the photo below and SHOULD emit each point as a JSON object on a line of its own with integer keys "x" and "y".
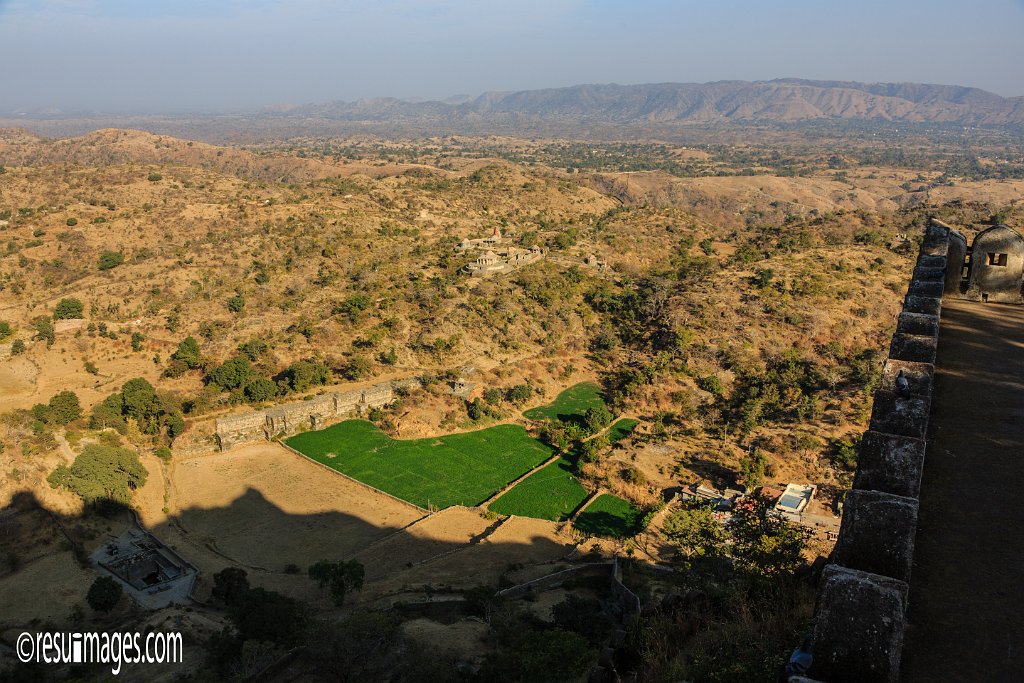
{"x": 314, "y": 413}
{"x": 860, "y": 614}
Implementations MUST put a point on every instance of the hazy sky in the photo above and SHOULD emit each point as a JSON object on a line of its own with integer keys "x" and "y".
{"x": 154, "y": 55}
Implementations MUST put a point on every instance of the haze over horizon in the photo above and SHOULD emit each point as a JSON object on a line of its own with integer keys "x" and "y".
{"x": 117, "y": 56}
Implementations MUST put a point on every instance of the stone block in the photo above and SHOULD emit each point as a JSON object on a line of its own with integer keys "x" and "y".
{"x": 935, "y": 247}
{"x": 927, "y": 274}
{"x": 919, "y": 377}
{"x": 877, "y": 533}
{"x": 926, "y": 261}
{"x": 917, "y": 348}
{"x": 858, "y": 627}
{"x": 929, "y": 305}
{"x": 919, "y": 324}
{"x": 894, "y": 414}
{"x": 932, "y": 288}
{"x": 890, "y": 463}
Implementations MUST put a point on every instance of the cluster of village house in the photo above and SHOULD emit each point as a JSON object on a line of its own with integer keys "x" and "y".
{"x": 791, "y": 503}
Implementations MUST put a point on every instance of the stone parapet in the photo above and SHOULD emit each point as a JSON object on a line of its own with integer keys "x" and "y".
{"x": 860, "y": 613}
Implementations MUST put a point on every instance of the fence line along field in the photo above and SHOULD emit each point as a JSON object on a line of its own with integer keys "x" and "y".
{"x": 573, "y": 402}
{"x": 456, "y": 469}
{"x": 551, "y": 493}
{"x": 611, "y": 516}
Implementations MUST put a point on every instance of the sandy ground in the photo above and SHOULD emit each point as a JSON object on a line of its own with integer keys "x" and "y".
{"x": 17, "y": 383}
{"x": 264, "y": 507}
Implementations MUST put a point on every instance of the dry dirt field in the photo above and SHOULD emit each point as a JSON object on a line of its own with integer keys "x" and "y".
{"x": 265, "y": 507}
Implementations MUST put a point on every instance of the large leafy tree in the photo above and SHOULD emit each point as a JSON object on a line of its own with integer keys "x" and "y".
{"x": 65, "y": 408}
{"x": 763, "y": 541}
{"x": 102, "y": 474}
{"x": 696, "y": 531}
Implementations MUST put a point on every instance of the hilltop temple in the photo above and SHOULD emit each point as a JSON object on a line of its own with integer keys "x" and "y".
{"x": 496, "y": 259}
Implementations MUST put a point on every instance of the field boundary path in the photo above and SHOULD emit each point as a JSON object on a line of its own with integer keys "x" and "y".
{"x": 966, "y": 601}
{"x": 585, "y": 504}
{"x": 484, "y": 505}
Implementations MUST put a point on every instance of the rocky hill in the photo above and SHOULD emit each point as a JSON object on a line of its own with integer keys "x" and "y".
{"x": 782, "y": 100}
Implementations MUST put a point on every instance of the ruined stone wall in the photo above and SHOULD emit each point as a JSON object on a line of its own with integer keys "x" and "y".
{"x": 862, "y": 600}
{"x": 316, "y": 413}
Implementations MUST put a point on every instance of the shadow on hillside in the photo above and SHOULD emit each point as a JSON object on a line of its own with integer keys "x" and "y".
{"x": 275, "y": 547}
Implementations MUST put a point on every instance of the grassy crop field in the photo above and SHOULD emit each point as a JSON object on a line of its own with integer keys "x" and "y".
{"x": 551, "y": 493}
{"x": 610, "y": 516}
{"x": 621, "y": 429}
{"x": 572, "y": 402}
{"x": 459, "y": 469}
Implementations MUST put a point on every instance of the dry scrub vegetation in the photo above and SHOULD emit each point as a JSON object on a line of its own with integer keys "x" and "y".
{"x": 741, "y": 318}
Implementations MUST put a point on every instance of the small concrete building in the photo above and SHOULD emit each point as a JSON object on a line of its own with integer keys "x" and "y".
{"x": 996, "y": 266}
{"x": 794, "y": 500}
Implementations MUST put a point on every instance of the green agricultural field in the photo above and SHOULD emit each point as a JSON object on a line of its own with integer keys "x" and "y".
{"x": 572, "y": 402}
{"x": 459, "y": 469}
{"x": 550, "y": 493}
{"x": 621, "y": 429}
{"x": 610, "y": 516}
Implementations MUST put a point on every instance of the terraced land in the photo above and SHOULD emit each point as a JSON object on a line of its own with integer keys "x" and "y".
{"x": 551, "y": 493}
{"x": 610, "y": 516}
{"x": 458, "y": 469}
{"x": 571, "y": 403}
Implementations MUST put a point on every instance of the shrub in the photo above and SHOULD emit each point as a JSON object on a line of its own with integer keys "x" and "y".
{"x": 110, "y": 259}
{"x": 188, "y": 353}
{"x": 154, "y": 177}
{"x": 17, "y": 347}
{"x": 340, "y": 577}
{"x": 260, "y": 389}
{"x": 104, "y": 594}
{"x": 236, "y": 303}
{"x": 305, "y": 374}
{"x": 72, "y": 222}
{"x": 44, "y": 330}
{"x": 232, "y": 374}
{"x": 5, "y": 330}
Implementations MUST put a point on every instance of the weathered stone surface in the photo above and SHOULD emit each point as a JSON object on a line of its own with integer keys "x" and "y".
{"x": 858, "y": 627}
{"x": 935, "y": 248}
{"x": 922, "y": 304}
{"x": 890, "y": 463}
{"x": 918, "y": 323}
{"x": 926, "y": 288}
{"x": 955, "y": 262}
{"x": 925, "y": 261}
{"x": 919, "y": 377}
{"x": 877, "y": 534}
{"x": 913, "y": 347}
{"x": 928, "y": 274}
{"x": 894, "y": 414}
{"x": 315, "y": 412}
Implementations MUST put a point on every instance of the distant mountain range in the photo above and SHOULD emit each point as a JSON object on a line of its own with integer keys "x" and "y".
{"x": 783, "y": 100}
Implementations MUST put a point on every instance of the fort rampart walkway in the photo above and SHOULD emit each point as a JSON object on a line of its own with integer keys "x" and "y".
{"x": 966, "y": 604}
